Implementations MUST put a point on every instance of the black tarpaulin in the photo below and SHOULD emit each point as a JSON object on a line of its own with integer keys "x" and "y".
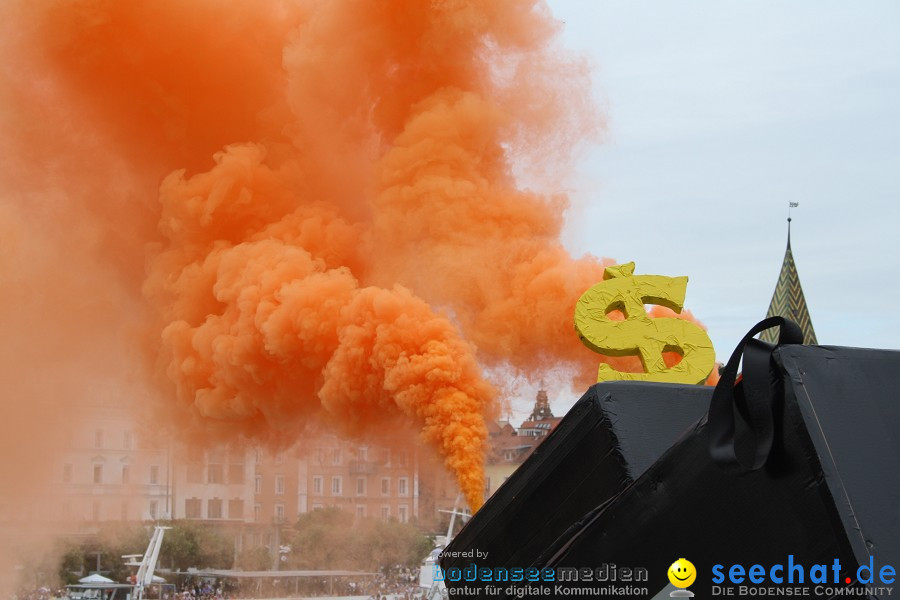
{"x": 828, "y": 492}
{"x": 849, "y": 399}
{"x": 608, "y": 438}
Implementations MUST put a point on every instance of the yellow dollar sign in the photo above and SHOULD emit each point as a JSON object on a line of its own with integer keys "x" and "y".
{"x": 638, "y": 333}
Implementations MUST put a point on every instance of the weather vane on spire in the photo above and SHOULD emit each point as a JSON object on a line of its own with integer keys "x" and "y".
{"x": 790, "y": 206}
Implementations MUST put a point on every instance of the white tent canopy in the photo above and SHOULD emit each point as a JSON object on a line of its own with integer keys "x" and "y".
{"x": 95, "y": 578}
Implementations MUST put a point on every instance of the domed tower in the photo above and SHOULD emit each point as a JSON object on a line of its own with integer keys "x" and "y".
{"x": 541, "y": 406}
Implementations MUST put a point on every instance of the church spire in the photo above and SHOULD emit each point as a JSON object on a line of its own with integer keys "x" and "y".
{"x": 788, "y": 300}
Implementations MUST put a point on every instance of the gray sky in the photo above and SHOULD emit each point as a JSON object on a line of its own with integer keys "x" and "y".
{"x": 719, "y": 114}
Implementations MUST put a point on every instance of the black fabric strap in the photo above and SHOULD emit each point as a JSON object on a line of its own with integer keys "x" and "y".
{"x": 754, "y": 396}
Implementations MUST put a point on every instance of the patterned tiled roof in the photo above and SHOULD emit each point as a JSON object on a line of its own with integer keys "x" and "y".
{"x": 788, "y": 300}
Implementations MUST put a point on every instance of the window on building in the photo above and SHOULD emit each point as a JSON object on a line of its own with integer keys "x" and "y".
{"x": 279, "y": 513}
{"x": 126, "y": 440}
{"x": 360, "y": 486}
{"x": 279, "y": 485}
{"x": 98, "y": 438}
{"x": 154, "y": 474}
{"x": 385, "y": 486}
{"x": 360, "y": 511}
{"x": 126, "y": 472}
{"x": 320, "y": 456}
{"x": 279, "y": 458}
{"x": 67, "y": 473}
{"x": 257, "y": 510}
{"x": 154, "y": 509}
{"x": 403, "y": 486}
{"x": 235, "y": 508}
{"x": 236, "y": 474}
{"x": 317, "y": 485}
{"x": 258, "y": 484}
{"x": 214, "y": 508}
{"x": 192, "y": 508}
{"x": 336, "y": 456}
{"x": 402, "y": 514}
{"x": 214, "y": 473}
{"x": 362, "y": 453}
{"x": 386, "y": 457}
{"x": 336, "y": 484}
{"x": 98, "y": 473}
{"x": 385, "y": 512}
{"x": 194, "y": 473}
{"x": 402, "y": 458}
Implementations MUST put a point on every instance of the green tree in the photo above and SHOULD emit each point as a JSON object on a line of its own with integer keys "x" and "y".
{"x": 179, "y": 548}
{"x": 323, "y": 540}
{"x": 254, "y": 559}
{"x": 116, "y": 540}
{"x": 216, "y": 548}
{"x": 71, "y": 565}
{"x": 331, "y": 539}
{"x": 190, "y": 544}
{"x": 389, "y": 543}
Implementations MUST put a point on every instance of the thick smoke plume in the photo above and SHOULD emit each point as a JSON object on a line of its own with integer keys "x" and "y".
{"x": 316, "y": 201}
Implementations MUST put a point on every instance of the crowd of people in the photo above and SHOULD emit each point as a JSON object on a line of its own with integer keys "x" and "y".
{"x": 42, "y": 593}
{"x": 203, "y": 590}
{"x": 390, "y": 583}
{"x": 395, "y": 583}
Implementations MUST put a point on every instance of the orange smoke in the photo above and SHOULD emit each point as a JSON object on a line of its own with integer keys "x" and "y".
{"x": 344, "y": 239}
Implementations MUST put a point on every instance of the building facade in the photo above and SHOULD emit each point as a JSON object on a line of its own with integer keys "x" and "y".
{"x": 112, "y": 471}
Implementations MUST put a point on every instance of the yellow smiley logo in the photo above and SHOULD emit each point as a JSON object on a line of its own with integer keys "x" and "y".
{"x": 682, "y": 573}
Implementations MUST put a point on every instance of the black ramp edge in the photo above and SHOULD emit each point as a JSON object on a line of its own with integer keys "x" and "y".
{"x": 612, "y": 434}
{"x": 686, "y": 506}
{"x": 818, "y": 501}
{"x": 850, "y": 402}
{"x": 649, "y": 418}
